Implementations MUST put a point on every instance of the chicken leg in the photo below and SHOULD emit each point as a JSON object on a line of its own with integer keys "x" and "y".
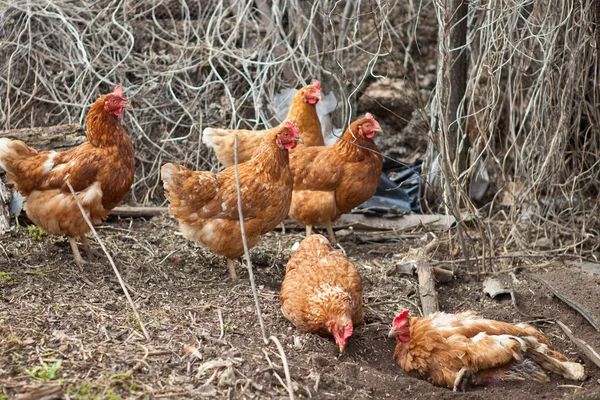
{"x": 463, "y": 379}
{"x": 78, "y": 260}
{"x": 87, "y": 248}
{"x": 330, "y": 233}
{"x": 308, "y": 230}
{"x": 231, "y": 268}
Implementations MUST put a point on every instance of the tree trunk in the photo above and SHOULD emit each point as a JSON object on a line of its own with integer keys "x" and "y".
{"x": 457, "y": 68}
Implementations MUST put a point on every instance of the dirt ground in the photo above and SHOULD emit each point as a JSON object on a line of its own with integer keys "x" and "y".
{"x": 52, "y": 312}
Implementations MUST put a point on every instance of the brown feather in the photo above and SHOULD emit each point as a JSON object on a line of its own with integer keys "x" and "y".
{"x": 100, "y": 170}
{"x": 205, "y": 204}
{"x": 332, "y": 180}
{"x": 320, "y": 285}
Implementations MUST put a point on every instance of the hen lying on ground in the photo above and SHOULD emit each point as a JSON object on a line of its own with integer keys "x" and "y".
{"x": 455, "y": 350}
{"x": 322, "y": 291}
{"x": 302, "y": 114}
{"x": 100, "y": 170}
{"x": 206, "y": 204}
{"x": 332, "y": 180}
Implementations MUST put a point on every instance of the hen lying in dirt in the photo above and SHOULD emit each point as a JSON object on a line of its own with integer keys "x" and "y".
{"x": 322, "y": 291}
{"x": 100, "y": 170}
{"x": 206, "y": 204}
{"x": 455, "y": 350}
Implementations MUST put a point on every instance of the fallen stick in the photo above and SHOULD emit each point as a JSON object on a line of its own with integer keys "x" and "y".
{"x": 574, "y": 305}
{"x": 274, "y": 339}
{"x": 138, "y": 212}
{"x": 581, "y": 345}
{"x": 131, "y": 303}
{"x": 427, "y": 292}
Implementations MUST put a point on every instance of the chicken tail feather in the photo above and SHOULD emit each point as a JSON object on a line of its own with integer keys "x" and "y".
{"x": 12, "y": 151}
{"x": 173, "y": 176}
{"x": 554, "y": 361}
{"x": 213, "y": 137}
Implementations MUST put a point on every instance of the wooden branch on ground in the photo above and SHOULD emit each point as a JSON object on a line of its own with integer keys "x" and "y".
{"x": 138, "y": 212}
{"x": 573, "y": 304}
{"x": 581, "y": 345}
{"x": 425, "y": 275}
{"x": 59, "y": 137}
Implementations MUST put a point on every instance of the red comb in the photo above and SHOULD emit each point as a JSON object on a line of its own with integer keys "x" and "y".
{"x": 400, "y": 317}
{"x": 118, "y": 91}
{"x": 316, "y": 84}
{"x": 292, "y": 128}
{"x": 370, "y": 116}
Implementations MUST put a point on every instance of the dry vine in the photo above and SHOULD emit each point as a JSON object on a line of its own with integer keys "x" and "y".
{"x": 184, "y": 65}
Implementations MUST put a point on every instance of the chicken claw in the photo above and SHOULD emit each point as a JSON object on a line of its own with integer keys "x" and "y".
{"x": 87, "y": 248}
{"x": 231, "y": 268}
{"x": 462, "y": 380}
{"x": 78, "y": 260}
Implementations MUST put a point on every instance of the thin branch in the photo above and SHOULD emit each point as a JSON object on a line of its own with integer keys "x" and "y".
{"x": 121, "y": 282}
{"x": 246, "y": 251}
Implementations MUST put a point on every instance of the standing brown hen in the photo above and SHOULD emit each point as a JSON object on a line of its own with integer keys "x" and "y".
{"x": 322, "y": 291}
{"x": 332, "y": 180}
{"x": 302, "y": 113}
{"x": 206, "y": 204}
{"x": 454, "y": 350}
{"x": 100, "y": 170}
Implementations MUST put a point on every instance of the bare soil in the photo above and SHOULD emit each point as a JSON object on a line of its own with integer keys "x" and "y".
{"x": 51, "y": 311}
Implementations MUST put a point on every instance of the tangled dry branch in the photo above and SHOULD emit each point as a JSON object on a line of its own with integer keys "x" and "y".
{"x": 531, "y": 112}
{"x": 531, "y": 105}
{"x": 184, "y": 64}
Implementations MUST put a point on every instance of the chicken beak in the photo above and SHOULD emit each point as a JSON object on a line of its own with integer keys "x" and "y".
{"x": 299, "y": 140}
{"x": 378, "y": 130}
{"x": 392, "y": 333}
{"x": 127, "y": 106}
{"x": 342, "y": 347}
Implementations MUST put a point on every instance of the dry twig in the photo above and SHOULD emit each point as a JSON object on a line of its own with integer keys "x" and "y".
{"x": 112, "y": 263}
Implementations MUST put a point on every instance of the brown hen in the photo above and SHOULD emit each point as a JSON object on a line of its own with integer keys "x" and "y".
{"x": 332, "y": 180}
{"x": 205, "y": 204}
{"x": 322, "y": 291}
{"x": 455, "y": 350}
{"x": 302, "y": 113}
{"x": 100, "y": 170}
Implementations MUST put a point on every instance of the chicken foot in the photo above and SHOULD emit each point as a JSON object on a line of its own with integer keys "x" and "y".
{"x": 463, "y": 379}
{"x": 231, "y": 268}
{"x": 330, "y": 233}
{"x": 87, "y": 248}
{"x": 78, "y": 260}
{"x": 308, "y": 230}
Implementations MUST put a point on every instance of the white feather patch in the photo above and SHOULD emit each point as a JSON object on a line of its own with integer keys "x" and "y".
{"x": 49, "y": 163}
{"x": 3, "y": 151}
{"x": 91, "y": 194}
